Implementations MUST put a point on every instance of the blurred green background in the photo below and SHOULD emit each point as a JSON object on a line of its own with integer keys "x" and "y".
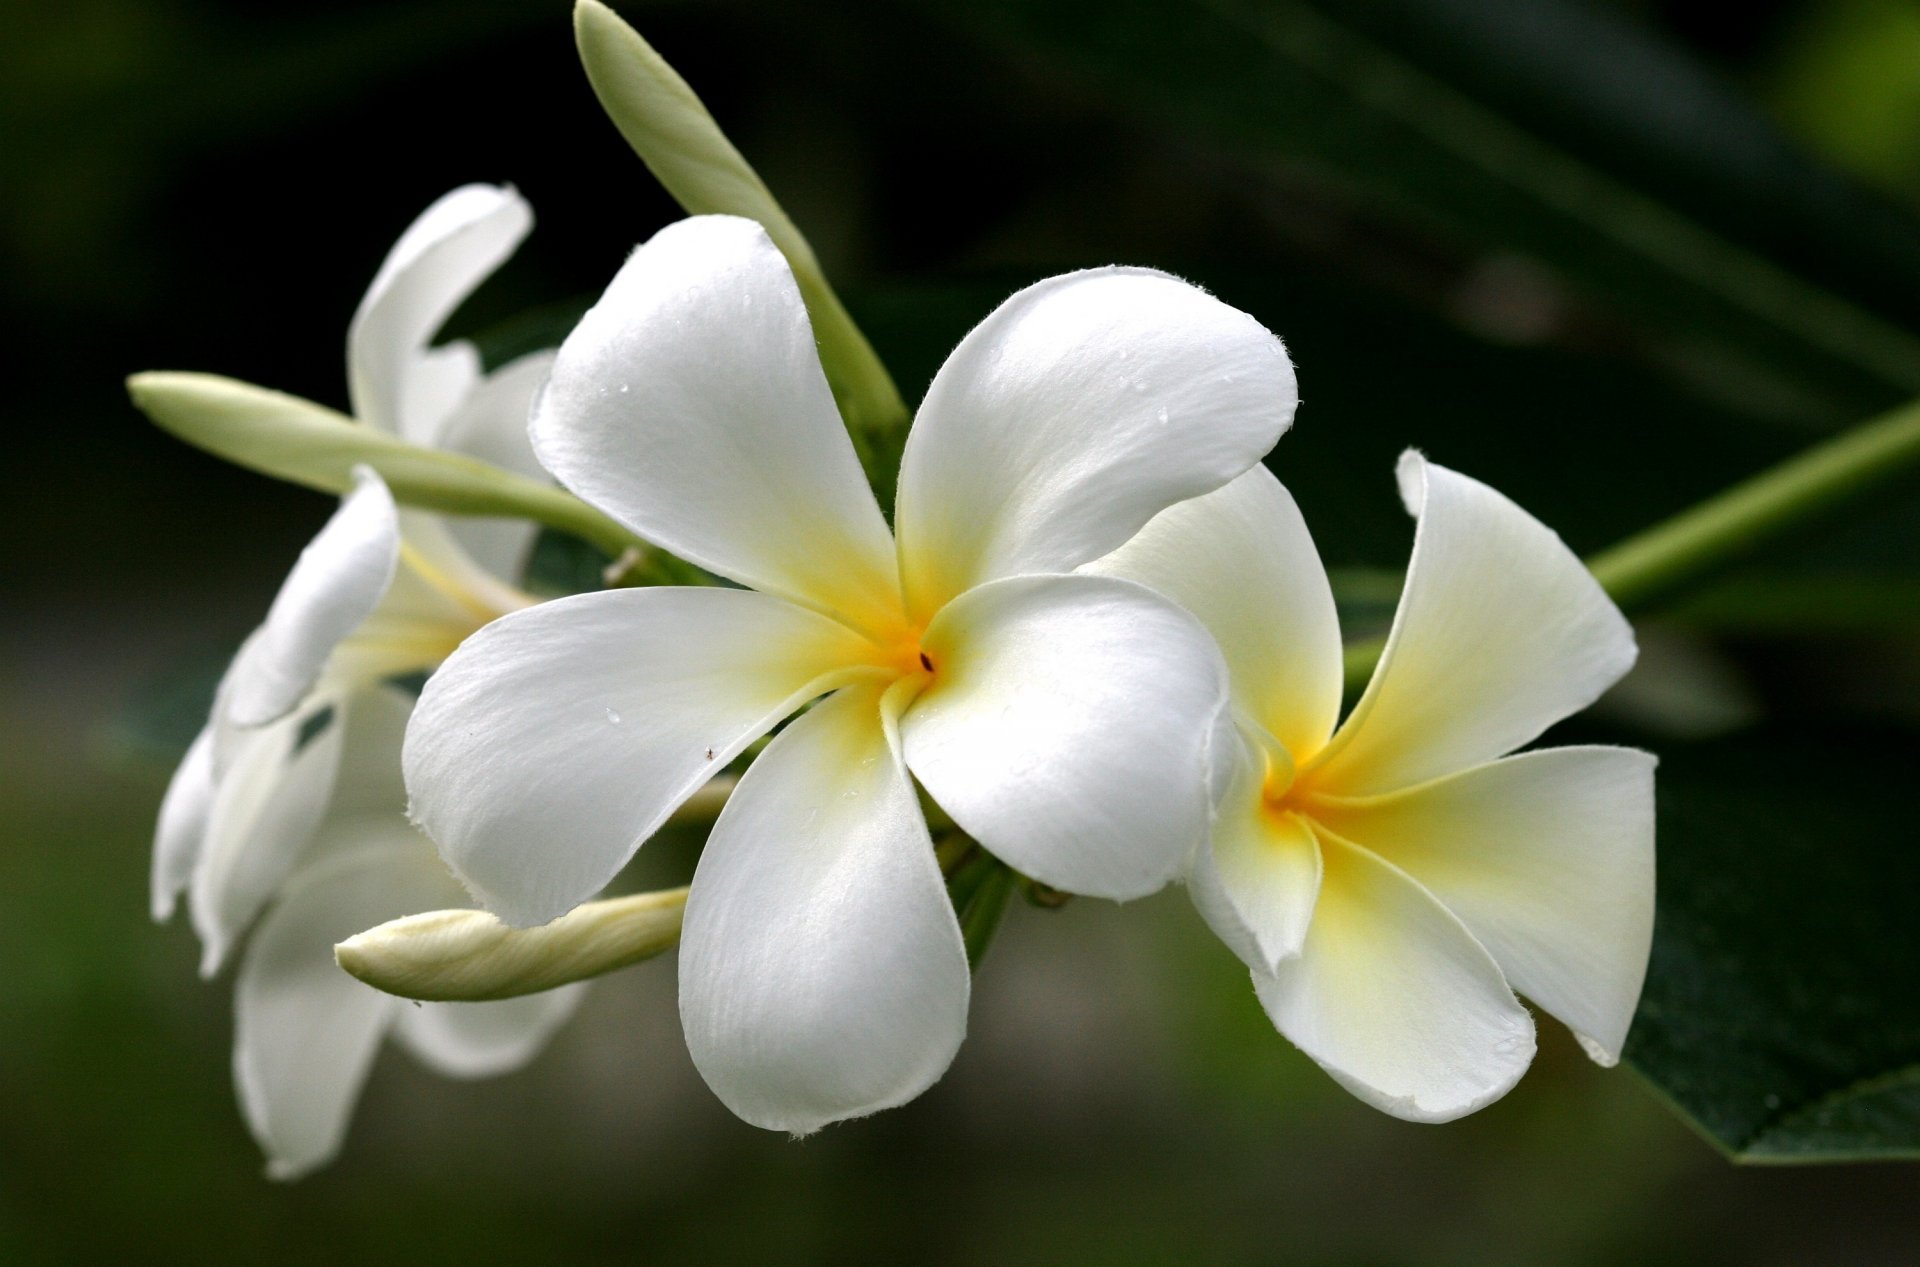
{"x": 1606, "y": 257}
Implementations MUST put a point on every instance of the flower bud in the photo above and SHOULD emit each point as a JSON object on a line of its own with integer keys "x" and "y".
{"x": 470, "y": 956}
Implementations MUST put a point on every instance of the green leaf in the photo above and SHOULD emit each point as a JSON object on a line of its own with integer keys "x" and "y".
{"x": 1316, "y": 107}
{"x": 1780, "y": 1012}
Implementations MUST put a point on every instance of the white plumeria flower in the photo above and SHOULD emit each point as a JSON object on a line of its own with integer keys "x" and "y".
{"x": 290, "y": 799}
{"x": 1061, "y": 720}
{"x": 305, "y": 1033}
{"x": 379, "y": 592}
{"x": 1392, "y": 882}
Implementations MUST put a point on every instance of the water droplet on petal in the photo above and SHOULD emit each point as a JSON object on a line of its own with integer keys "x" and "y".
{"x": 1162, "y": 415}
{"x": 1139, "y": 387}
{"x": 625, "y": 388}
{"x": 613, "y": 717}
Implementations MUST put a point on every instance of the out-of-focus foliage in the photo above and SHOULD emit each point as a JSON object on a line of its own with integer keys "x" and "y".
{"x": 1556, "y": 244}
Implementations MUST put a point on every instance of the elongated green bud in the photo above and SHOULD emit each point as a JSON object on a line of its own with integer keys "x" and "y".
{"x": 469, "y": 956}
{"x": 684, "y": 148}
{"x": 305, "y": 443}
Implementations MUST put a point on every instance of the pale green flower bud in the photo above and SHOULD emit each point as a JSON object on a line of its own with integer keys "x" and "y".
{"x": 470, "y": 956}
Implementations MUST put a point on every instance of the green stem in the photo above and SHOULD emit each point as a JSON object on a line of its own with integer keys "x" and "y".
{"x": 1654, "y": 563}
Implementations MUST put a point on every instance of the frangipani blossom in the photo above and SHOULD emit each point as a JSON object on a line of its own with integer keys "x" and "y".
{"x": 1391, "y": 883}
{"x": 379, "y": 592}
{"x": 290, "y": 800}
{"x": 1062, "y": 720}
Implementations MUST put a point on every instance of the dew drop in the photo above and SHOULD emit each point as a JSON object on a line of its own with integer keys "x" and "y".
{"x": 1139, "y": 387}
{"x": 613, "y": 717}
{"x": 625, "y": 388}
{"x": 1162, "y": 415}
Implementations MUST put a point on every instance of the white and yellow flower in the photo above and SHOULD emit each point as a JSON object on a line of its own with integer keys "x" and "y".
{"x": 290, "y": 800}
{"x": 1062, "y": 720}
{"x": 1393, "y": 881}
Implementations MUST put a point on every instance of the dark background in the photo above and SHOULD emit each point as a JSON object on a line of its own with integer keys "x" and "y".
{"x": 200, "y": 185}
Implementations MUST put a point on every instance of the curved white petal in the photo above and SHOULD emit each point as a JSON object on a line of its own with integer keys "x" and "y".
{"x": 491, "y": 424}
{"x": 306, "y": 1032}
{"x": 396, "y": 380}
{"x": 1257, "y": 880}
{"x": 822, "y": 973}
{"x": 481, "y": 1040}
{"x": 1242, "y": 561}
{"x": 182, "y": 829}
{"x": 558, "y": 738}
{"x": 689, "y": 404}
{"x": 268, "y": 803}
{"x": 1548, "y": 858}
{"x": 1392, "y": 996}
{"x": 1067, "y": 728}
{"x": 337, "y": 582}
{"x": 1078, "y": 410}
{"x": 1501, "y": 632}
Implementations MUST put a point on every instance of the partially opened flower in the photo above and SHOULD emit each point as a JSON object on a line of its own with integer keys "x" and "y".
{"x": 1391, "y": 883}
{"x": 380, "y": 592}
{"x": 290, "y": 801}
{"x": 1062, "y": 720}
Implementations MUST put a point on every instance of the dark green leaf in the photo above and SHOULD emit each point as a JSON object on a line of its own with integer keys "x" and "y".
{"x": 1780, "y": 1012}
{"x": 1314, "y": 104}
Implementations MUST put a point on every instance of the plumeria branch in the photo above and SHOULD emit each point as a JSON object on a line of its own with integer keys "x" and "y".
{"x": 681, "y": 144}
{"x": 1655, "y": 562}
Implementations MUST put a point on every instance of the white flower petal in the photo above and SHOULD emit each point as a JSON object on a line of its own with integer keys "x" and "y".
{"x": 491, "y": 424}
{"x": 1242, "y": 561}
{"x": 269, "y": 801}
{"x": 689, "y": 404}
{"x": 337, "y": 582}
{"x": 182, "y": 829}
{"x": 1548, "y": 858}
{"x": 1501, "y": 632}
{"x": 397, "y": 382}
{"x": 481, "y": 1040}
{"x": 1078, "y": 410}
{"x": 1067, "y": 728}
{"x": 1257, "y": 880}
{"x": 558, "y": 738}
{"x": 306, "y": 1032}
{"x": 1393, "y": 996}
{"x": 822, "y": 973}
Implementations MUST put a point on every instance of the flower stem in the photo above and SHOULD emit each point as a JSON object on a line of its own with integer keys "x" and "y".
{"x": 1656, "y": 562}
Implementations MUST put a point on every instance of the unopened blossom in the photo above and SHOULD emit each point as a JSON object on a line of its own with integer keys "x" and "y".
{"x": 1392, "y": 882}
{"x": 289, "y": 802}
{"x": 1062, "y": 720}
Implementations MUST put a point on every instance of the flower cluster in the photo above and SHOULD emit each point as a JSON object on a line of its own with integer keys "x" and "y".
{"x": 1094, "y": 640}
